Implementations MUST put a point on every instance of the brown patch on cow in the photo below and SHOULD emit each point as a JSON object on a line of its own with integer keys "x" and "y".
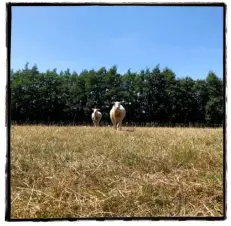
{"x": 117, "y": 114}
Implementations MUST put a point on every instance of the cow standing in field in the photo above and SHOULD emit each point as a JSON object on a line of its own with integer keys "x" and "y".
{"x": 117, "y": 114}
{"x": 96, "y": 116}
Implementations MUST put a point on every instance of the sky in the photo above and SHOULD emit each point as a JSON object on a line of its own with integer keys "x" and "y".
{"x": 188, "y": 40}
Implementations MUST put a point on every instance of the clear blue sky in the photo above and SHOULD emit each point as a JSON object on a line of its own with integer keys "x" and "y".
{"x": 189, "y": 40}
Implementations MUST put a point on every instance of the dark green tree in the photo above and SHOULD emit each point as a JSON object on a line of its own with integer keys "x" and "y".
{"x": 150, "y": 96}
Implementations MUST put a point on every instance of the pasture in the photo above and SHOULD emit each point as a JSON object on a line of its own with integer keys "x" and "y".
{"x": 99, "y": 172}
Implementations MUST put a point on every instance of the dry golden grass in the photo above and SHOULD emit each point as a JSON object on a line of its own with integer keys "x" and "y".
{"x": 99, "y": 172}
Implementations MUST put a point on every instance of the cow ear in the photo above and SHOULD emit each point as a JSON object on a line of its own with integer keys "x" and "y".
{"x": 93, "y": 109}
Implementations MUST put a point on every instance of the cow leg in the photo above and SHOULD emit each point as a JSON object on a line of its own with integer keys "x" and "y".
{"x": 114, "y": 125}
{"x": 113, "y": 122}
{"x": 119, "y": 125}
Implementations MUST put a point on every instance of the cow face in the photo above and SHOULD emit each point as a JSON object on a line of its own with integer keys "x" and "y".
{"x": 95, "y": 109}
{"x": 117, "y": 105}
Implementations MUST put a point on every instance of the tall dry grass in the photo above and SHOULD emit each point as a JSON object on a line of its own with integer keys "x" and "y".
{"x": 99, "y": 172}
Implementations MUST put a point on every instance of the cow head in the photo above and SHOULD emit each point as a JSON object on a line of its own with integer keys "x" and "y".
{"x": 116, "y": 105}
{"x": 95, "y": 109}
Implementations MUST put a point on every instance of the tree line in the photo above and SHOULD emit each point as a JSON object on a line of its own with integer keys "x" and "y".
{"x": 151, "y": 96}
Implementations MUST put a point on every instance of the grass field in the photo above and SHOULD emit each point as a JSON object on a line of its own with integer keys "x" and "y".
{"x": 99, "y": 172}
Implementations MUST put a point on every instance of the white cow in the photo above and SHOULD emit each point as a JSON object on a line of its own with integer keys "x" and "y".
{"x": 117, "y": 115}
{"x": 96, "y": 116}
